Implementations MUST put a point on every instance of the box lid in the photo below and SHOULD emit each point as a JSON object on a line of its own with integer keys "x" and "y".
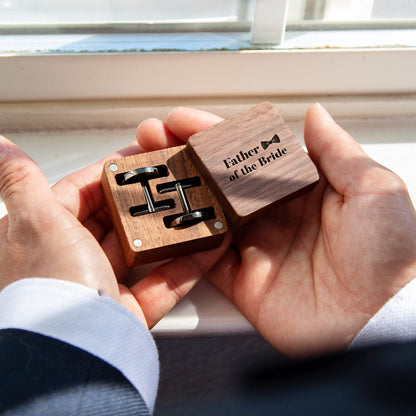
{"x": 252, "y": 161}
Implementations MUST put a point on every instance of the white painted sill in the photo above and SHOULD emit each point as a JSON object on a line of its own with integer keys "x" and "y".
{"x": 181, "y": 75}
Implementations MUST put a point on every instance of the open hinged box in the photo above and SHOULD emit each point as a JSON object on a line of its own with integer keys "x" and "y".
{"x": 183, "y": 199}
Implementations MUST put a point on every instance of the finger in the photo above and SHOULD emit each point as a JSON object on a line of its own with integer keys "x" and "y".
{"x": 159, "y": 291}
{"x": 153, "y": 134}
{"x": 128, "y": 300}
{"x": 184, "y": 122}
{"x": 23, "y": 186}
{"x": 338, "y": 156}
{"x": 80, "y": 192}
{"x": 99, "y": 224}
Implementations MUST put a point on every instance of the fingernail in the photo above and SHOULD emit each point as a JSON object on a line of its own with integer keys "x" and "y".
{"x": 3, "y": 149}
{"x": 324, "y": 112}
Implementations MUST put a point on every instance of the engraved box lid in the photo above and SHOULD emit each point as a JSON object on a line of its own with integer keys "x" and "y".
{"x": 251, "y": 162}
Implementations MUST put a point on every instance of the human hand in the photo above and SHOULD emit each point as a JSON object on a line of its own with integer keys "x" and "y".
{"x": 309, "y": 274}
{"x": 66, "y": 233}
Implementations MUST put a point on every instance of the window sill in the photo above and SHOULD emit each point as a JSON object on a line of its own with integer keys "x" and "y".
{"x": 78, "y": 43}
{"x": 207, "y": 74}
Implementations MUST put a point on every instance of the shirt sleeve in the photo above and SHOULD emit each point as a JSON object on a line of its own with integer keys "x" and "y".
{"x": 394, "y": 322}
{"x": 80, "y": 316}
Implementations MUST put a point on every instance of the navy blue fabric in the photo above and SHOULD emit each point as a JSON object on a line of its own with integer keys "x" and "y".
{"x": 377, "y": 381}
{"x": 44, "y": 376}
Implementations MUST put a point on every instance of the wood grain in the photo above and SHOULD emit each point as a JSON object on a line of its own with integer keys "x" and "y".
{"x": 158, "y": 241}
{"x": 252, "y": 161}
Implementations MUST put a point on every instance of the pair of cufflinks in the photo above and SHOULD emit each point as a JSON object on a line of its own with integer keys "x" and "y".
{"x": 183, "y": 199}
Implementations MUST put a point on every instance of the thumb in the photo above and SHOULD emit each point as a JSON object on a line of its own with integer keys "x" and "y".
{"x": 337, "y": 155}
{"x": 23, "y": 186}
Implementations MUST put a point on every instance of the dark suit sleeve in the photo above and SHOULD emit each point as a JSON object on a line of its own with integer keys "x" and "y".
{"x": 376, "y": 381}
{"x": 44, "y": 376}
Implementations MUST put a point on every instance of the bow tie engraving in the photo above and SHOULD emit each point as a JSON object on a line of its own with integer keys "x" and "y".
{"x": 266, "y": 144}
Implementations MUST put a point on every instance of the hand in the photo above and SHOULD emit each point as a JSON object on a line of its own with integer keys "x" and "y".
{"x": 310, "y": 274}
{"x": 65, "y": 233}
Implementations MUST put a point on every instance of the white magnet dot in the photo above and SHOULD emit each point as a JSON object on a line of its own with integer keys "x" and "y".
{"x": 113, "y": 167}
{"x": 218, "y": 225}
{"x": 137, "y": 242}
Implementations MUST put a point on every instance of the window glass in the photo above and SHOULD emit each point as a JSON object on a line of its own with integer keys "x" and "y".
{"x": 202, "y": 25}
{"x": 110, "y": 11}
{"x": 352, "y": 11}
{"x": 227, "y": 15}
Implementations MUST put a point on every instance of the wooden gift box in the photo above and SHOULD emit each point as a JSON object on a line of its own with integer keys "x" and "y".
{"x": 180, "y": 200}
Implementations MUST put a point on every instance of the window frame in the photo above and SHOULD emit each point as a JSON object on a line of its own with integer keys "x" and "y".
{"x": 290, "y": 69}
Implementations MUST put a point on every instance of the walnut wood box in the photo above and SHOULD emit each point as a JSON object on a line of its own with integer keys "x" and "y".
{"x": 231, "y": 171}
{"x": 252, "y": 161}
{"x": 147, "y": 237}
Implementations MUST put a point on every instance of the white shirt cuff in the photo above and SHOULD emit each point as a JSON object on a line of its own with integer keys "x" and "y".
{"x": 394, "y": 322}
{"x": 78, "y": 315}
